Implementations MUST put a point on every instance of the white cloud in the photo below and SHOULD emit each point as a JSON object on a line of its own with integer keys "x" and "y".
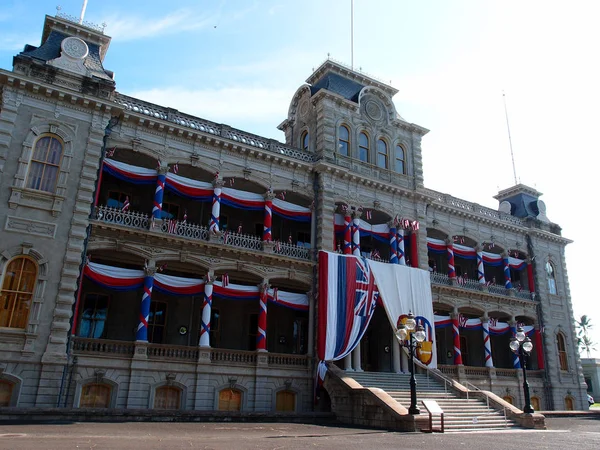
{"x": 182, "y": 20}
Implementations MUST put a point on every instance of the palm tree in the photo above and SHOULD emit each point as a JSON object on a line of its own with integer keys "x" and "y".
{"x": 584, "y": 342}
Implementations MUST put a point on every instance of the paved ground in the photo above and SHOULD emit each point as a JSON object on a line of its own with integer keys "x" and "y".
{"x": 579, "y": 433}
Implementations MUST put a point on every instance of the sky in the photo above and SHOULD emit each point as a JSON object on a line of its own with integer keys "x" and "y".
{"x": 239, "y": 62}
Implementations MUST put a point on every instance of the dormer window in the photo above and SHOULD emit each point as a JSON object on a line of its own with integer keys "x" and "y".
{"x": 382, "y": 154}
{"x": 304, "y": 140}
{"x": 344, "y": 140}
{"x": 363, "y": 147}
{"x": 400, "y": 159}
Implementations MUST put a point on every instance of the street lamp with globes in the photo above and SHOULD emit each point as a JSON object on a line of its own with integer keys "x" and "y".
{"x": 522, "y": 346}
{"x": 415, "y": 335}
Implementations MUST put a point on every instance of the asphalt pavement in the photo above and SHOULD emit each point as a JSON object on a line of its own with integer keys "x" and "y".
{"x": 573, "y": 432}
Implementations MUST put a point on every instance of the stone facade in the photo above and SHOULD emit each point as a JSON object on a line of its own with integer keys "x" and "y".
{"x": 376, "y": 168}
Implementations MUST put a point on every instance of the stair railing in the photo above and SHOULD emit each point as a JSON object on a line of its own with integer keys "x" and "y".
{"x": 470, "y": 386}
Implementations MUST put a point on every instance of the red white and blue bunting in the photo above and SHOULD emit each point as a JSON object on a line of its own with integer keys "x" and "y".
{"x": 496, "y": 328}
{"x": 203, "y": 191}
{"x": 381, "y": 232}
{"x": 490, "y": 259}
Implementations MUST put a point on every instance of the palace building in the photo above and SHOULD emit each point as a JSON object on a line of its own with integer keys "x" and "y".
{"x": 151, "y": 259}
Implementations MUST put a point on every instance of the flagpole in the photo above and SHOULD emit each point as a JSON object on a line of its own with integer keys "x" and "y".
{"x": 352, "y": 34}
{"x": 512, "y": 155}
{"x": 83, "y": 8}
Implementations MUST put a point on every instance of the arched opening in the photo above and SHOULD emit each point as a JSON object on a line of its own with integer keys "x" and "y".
{"x": 562, "y": 352}
{"x": 167, "y": 397}
{"x": 535, "y": 403}
{"x": 287, "y": 322}
{"x": 344, "y": 140}
{"x": 45, "y": 163}
{"x": 6, "y": 392}
{"x": 508, "y": 399}
{"x": 95, "y": 395}
{"x": 363, "y": 147}
{"x": 285, "y": 401}
{"x": 230, "y": 399}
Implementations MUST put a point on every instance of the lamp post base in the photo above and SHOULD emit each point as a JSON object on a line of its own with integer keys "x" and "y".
{"x": 414, "y": 410}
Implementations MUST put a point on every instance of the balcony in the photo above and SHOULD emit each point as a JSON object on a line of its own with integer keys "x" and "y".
{"x": 442, "y": 279}
{"x": 186, "y": 230}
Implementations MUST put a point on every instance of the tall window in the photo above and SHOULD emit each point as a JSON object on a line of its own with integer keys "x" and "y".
{"x": 562, "y": 352}
{"x": 344, "y": 140}
{"x": 363, "y": 147}
{"x": 400, "y": 159}
{"x": 252, "y": 331}
{"x": 43, "y": 170}
{"x": 95, "y": 395}
{"x": 17, "y": 291}
{"x": 551, "y": 278}
{"x": 382, "y": 154}
{"x": 170, "y": 211}
{"x": 95, "y": 309}
{"x": 167, "y": 397}
{"x": 304, "y": 140}
{"x": 157, "y": 322}
{"x": 116, "y": 199}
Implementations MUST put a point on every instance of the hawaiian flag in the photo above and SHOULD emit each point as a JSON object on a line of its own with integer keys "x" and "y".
{"x": 277, "y": 246}
{"x": 172, "y": 227}
{"x": 176, "y": 168}
{"x": 125, "y": 207}
{"x": 369, "y": 214}
{"x": 347, "y": 299}
{"x": 462, "y": 321}
{"x": 493, "y": 322}
{"x": 185, "y": 216}
{"x": 290, "y": 239}
{"x": 225, "y": 280}
{"x": 110, "y": 152}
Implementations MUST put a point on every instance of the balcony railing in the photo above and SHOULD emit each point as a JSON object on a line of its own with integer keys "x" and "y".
{"x": 117, "y": 216}
{"x": 439, "y": 278}
{"x": 497, "y": 289}
{"x": 193, "y": 231}
{"x": 164, "y": 352}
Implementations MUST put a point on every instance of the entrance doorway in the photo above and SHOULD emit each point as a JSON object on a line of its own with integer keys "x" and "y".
{"x": 375, "y": 346}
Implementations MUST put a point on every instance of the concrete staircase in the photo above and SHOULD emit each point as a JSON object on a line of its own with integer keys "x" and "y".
{"x": 460, "y": 414}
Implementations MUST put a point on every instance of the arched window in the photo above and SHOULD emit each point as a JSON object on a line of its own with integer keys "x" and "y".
{"x": 400, "y": 159}
{"x": 6, "y": 390}
{"x": 508, "y": 399}
{"x": 382, "y": 154}
{"x": 562, "y": 352}
{"x": 45, "y": 163}
{"x": 535, "y": 403}
{"x": 550, "y": 275}
{"x": 304, "y": 140}
{"x": 17, "y": 291}
{"x": 285, "y": 401}
{"x": 95, "y": 395}
{"x": 344, "y": 140}
{"x": 230, "y": 400}
{"x": 167, "y": 397}
{"x": 363, "y": 147}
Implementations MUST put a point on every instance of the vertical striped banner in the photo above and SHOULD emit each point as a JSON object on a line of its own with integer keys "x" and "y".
{"x": 400, "y": 247}
{"x": 480, "y": 269}
{"x": 213, "y": 225}
{"x": 356, "y": 236}
{"x": 507, "y": 280}
{"x": 393, "y": 246}
{"x": 158, "y": 195}
{"x": 487, "y": 345}
{"x": 268, "y": 221}
{"x": 348, "y": 231}
{"x": 451, "y": 268}
{"x": 456, "y": 334}
{"x": 261, "y": 337}
{"x": 414, "y": 250}
{"x": 530, "y": 277}
{"x": 142, "y": 328}
{"x": 206, "y": 314}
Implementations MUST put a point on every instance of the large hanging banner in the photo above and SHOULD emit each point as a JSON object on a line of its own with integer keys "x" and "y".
{"x": 404, "y": 289}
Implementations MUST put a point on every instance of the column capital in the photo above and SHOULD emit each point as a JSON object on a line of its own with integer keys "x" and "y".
{"x": 478, "y": 248}
{"x": 163, "y": 169}
{"x": 449, "y": 241}
{"x": 150, "y": 268}
{"x": 218, "y": 182}
{"x": 343, "y": 209}
{"x": 485, "y": 317}
{"x": 269, "y": 195}
{"x": 356, "y": 214}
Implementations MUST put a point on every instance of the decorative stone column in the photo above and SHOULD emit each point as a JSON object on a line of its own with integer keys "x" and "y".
{"x": 159, "y": 192}
{"x": 487, "y": 344}
{"x": 348, "y": 362}
{"x": 356, "y": 359}
{"x": 206, "y": 310}
{"x": 456, "y": 335}
{"x": 142, "y": 328}
{"x": 348, "y": 234}
{"x": 261, "y": 336}
{"x": 213, "y": 225}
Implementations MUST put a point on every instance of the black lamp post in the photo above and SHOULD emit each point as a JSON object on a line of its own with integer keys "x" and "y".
{"x": 522, "y": 346}
{"x": 415, "y": 335}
